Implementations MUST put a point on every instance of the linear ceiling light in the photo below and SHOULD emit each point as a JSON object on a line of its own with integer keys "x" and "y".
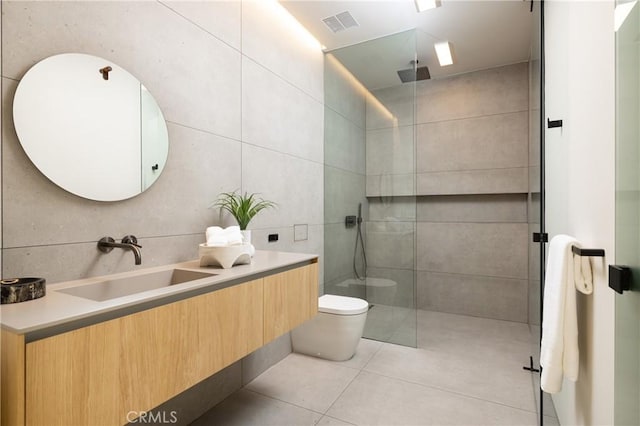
{"x": 443, "y": 50}
{"x": 423, "y": 5}
{"x": 621, "y": 13}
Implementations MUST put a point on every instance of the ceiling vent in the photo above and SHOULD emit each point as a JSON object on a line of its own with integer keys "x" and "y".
{"x": 340, "y": 22}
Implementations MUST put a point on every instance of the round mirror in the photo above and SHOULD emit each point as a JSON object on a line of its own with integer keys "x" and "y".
{"x": 90, "y": 127}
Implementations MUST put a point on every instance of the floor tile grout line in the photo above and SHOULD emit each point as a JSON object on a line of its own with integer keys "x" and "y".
{"x": 342, "y": 393}
{"x": 339, "y": 419}
{"x": 449, "y": 391}
{"x": 382, "y": 344}
{"x": 283, "y": 401}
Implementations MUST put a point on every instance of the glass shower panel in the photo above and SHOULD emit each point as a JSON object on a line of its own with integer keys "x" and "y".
{"x": 627, "y": 338}
{"x": 382, "y": 246}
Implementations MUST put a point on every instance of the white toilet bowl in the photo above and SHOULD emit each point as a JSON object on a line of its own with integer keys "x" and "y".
{"x": 335, "y": 332}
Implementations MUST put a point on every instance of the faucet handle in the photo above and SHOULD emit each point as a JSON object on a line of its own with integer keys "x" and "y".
{"x": 131, "y": 239}
{"x": 104, "y": 244}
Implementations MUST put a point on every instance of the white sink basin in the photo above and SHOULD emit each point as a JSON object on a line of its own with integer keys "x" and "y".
{"x": 111, "y": 289}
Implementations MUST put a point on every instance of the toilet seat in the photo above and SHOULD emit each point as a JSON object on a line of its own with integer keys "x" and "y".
{"x": 342, "y": 305}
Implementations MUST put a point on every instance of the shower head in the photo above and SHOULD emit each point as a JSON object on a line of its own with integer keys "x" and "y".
{"x": 420, "y": 73}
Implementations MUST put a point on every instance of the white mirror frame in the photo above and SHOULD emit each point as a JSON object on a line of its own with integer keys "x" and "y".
{"x": 94, "y": 131}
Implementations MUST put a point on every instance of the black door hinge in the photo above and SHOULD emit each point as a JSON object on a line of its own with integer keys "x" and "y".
{"x": 540, "y": 237}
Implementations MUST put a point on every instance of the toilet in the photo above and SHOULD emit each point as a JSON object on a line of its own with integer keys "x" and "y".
{"x": 334, "y": 333}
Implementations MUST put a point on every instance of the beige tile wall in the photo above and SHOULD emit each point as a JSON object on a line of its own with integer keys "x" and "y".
{"x": 241, "y": 88}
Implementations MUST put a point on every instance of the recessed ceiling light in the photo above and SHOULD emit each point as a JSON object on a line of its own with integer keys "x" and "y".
{"x": 423, "y": 5}
{"x": 443, "y": 50}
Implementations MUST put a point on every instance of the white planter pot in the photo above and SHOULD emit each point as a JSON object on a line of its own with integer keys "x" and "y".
{"x": 246, "y": 237}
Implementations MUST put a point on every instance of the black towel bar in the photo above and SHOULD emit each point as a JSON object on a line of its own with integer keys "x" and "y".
{"x": 587, "y": 252}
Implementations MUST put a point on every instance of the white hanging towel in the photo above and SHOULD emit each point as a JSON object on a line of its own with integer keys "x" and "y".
{"x": 559, "y": 356}
{"x": 583, "y": 275}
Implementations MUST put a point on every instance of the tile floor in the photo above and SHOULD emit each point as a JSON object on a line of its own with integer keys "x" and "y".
{"x": 465, "y": 371}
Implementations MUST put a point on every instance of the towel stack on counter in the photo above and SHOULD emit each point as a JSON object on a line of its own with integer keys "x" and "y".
{"x": 217, "y": 236}
{"x": 223, "y": 237}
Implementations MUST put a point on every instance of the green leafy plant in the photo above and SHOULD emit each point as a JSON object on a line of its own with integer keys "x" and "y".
{"x": 242, "y": 207}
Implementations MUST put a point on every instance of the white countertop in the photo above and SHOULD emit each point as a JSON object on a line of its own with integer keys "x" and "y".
{"x": 58, "y": 308}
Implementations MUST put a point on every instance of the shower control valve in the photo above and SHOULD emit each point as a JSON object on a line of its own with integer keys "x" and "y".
{"x": 349, "y": 221}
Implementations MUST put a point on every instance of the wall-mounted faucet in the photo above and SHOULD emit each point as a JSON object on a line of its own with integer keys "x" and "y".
{"x": 129, "y": 242}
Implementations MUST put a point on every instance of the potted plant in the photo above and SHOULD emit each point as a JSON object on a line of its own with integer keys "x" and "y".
{"x": 243, "y": 208}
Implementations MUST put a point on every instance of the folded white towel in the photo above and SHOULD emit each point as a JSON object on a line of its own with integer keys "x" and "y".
{"x": 233, "y": 234}
{"x": 233, "y": 229}
{"x": 559, "y": 356}
{"x": 217, "y": 236}
{"x": 582, "y": 274}
{"x": 212, "y": 231}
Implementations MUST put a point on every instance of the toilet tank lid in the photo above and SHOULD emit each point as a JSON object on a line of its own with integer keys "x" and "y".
{"x": 342, "y": 305}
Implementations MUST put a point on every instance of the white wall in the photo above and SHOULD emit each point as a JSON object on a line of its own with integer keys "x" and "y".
{"x": 580, "y": 172}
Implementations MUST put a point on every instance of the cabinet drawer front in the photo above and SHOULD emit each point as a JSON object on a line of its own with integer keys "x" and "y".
{"x": 171, "y": 348}
{"x": 290, "y": 298}
{"x": 72, "y": 378}
{"x": 99, "y": 374}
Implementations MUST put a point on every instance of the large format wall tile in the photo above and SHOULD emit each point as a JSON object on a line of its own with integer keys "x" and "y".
{"x": 344, "y": 143}
{"x": 379, "y": 288}
{"x": 488, "y": 142}
{"x": 346, "y": 192}
{"x": 494, "y": 181}
{"x": 391, "y": 107}
{"x": 65, "y": 262}
{"x": 391, "y": 185}
{"x": 487, "y": 297}
{"x": 339, "y": 245}
{"x": 295, "y": 184}
{"x": 490, "y": 249}
{"x": 493, "y": 91}
{"x": 278, "y": 116}
{"x": 343, "y": 93}
{"x": 473, "y": 208}
{"x": 389, "y": 209}
{"x": 391, "y": 151}
{"x": 219, "y": 18}
{"x": 390, "y": 244}
{"x": 314, "y": 244}
{"x": 273, "y": 38}
{"x": 202, "y": 93}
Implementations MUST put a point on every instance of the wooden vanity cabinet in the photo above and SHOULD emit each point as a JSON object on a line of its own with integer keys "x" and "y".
{"x": 289, "y": 300}
{"x": 100, "y": 374}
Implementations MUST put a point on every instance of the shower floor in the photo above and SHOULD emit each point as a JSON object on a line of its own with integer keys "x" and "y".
{"x": 465, "y": 371}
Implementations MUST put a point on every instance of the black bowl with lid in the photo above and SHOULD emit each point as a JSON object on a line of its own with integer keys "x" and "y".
{"x": 15, "y": 290}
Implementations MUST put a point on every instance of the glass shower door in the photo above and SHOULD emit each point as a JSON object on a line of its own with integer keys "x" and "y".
{"x": 627, "y": 323}
{"x": 370, "y": 168}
